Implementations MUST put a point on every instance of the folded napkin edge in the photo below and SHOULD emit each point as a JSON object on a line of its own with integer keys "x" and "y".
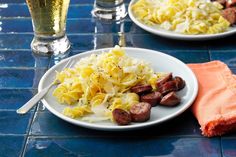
{"x": 206, "y": 64}
{"x": 219, "y": 125}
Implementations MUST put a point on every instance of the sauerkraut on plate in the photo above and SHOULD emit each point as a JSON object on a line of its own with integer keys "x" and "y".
{"x": 100, "y": 83}
{"x": 190, "y": 17}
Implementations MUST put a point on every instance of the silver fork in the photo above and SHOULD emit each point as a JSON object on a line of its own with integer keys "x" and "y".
{"x": 31, "y": 103}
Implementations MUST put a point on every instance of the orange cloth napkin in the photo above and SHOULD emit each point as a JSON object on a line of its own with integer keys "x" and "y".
{"x": 215, "y": 105}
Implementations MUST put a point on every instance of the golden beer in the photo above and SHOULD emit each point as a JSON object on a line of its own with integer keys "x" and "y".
{"x": 48, "y": 16}
{"x": 49, "y": 23}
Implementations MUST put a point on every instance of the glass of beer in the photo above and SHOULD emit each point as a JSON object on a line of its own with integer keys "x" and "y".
{"x": 49, "y": 23}
{"x": 109, "y": 9}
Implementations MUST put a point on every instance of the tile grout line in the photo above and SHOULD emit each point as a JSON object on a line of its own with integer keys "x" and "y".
{"x": 221, "y": 149}
{"x": 208, "y": 52}
{"x": 28, "y": 133}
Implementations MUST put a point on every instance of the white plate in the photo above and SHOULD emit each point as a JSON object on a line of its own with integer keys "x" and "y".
{"x": 174, "y": 35}
{"x": 159, "y": 61}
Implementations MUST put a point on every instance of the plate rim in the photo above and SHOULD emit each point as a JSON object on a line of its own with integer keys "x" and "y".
{"x": 174, "y": 35}
{"x": 116, "y": 127}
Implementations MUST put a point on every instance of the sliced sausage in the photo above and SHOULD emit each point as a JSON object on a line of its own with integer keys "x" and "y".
{"x": 170, "y": 99}
{"x": 230, "y": 3}
{"x": 152, "y": 98}
{"x": 167, "y": 87}
{"x": 140, "y": 112}
{"x": 140, "y": 89}
{"x": 164, "y": 79}
{"x": 121, "y": 117}
{"x": 180, "y": 83}
{"x": 229, "y": 14}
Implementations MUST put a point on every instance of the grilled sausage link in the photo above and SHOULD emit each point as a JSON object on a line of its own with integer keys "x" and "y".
{"x": 140, "y": 112}
{"x": 171, "y": 99}
{"x": 152, "y": 98}
{"x": 230, "y": 3}
{"x": 167, "y": 87}
{"x": 121, "y": 117}
{"x": 140, "y": 89}
{"x": 180, "y": 83}
{"x": 164, "y": 79}
{"x": 230, "y": 15}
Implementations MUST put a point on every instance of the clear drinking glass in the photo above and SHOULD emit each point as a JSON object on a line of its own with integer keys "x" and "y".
{"x": 49, "y": 23}
{"x": 109, "y": 9}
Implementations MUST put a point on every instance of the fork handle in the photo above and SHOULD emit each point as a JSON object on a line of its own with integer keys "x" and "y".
{"x": 31, "y": 103}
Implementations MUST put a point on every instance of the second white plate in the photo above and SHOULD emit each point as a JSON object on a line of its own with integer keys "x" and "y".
{"x": 174, "y": 35}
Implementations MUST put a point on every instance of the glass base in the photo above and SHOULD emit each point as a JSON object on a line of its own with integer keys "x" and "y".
{"x": 50, "y": 46}
{"x": 115, "y": 13}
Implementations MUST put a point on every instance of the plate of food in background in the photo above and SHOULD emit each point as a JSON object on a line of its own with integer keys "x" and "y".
{"x": 119, "y": 88}
{"x": 185, "y": 19}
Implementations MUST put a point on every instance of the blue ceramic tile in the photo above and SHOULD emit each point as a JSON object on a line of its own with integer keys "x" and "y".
{"x": 73, "y": 26}
{"x": 130, "y": 27}
{"x": 223, "y": 44}
{"x": 12, "y": 1}
{"x": 190, "y": 56}
{"x": 15, "y": 41}
{"x": 47, "y": 124}
{"x": 13, "y": 123}
{"x": 87, "y": 42}
{"x": 22, "y": 59}
{"x": 16, "y": 10}
{"x": 16, "y": 25}
{"x": 12, "y": 99}
{"x": 11, "y": 146}
{"x": 80, "y": 11}
{"x": 20, "y": 78}
{"x": 233, "y": 69}
{"x": 228, "y": 57}
{"x": 159, "y": 43}
{"x": 229, "y": 147}
{"x": 120, "y": 147}
{"x": 81, "y": 42}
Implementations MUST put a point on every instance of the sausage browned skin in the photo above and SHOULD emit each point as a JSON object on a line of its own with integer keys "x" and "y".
{"x": 164, "y": 79}
{"x": 171, "y": 99}
{"x": 152, "y": 98}
{"x": 121, "y": 117}
{"x": 140, "y": 112}
{"x": 230, "y": 3}
{"x": 167, "y": 87}
{"x": 180, "y": 83}
{"x": 141, "y": 89}
{"x": 230, "y": 15}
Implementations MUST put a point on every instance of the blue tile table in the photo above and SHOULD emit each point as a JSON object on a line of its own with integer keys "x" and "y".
{"x": 41, "y": 134}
